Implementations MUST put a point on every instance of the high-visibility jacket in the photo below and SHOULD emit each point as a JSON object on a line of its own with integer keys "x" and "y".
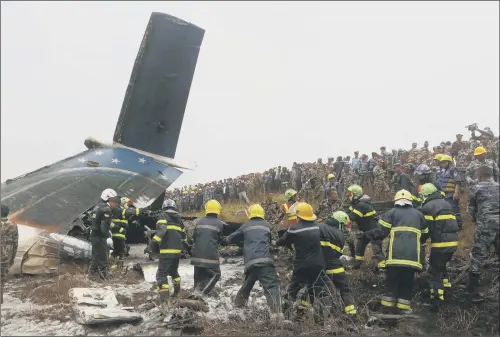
{"x": 290, "y": 217}
{"x": 170, "y": 235}
{"x": 119, "y": 222}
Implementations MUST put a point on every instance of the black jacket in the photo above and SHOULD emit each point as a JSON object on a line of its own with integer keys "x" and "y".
{"x": 363, "y": 213}
{"x": 206, "y": 237}
{"x": 443, "y": 227}
{"x": 332, "y": 244}
{"x": 304, "y": 238}
{"x": 408, "y": 229}
{"x": 119, "y": 221}
{"x": 101, "y": 217}
{"x": 256, "y": 234}
{"x": 170, "y": 234}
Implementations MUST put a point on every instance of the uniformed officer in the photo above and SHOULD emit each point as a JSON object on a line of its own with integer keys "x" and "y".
{"x": 205, "y": 254}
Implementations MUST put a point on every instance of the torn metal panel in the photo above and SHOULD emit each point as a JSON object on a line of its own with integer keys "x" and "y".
{"x": 99, "y": 306}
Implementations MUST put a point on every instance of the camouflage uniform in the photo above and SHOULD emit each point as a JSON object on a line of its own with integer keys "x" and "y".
{"x": 424, "y": 155}
{"x": 379, "y": 184}
{"x": 484, "y": 208}
{"x": 463, "y": 158}
{"x": 493, "y": 150}
{"x": 326, "y": 209}
{"x": 413, "y": 154}
{"x": 349, "y": 178}
{"x": 9, "y": 237}
{"x": 475, "y": 164}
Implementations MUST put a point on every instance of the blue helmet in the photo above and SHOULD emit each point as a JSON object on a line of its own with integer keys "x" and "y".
{"x": 422, "y": 169}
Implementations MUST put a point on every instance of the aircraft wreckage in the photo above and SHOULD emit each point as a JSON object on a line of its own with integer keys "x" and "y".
{"x": 50, "y": 204}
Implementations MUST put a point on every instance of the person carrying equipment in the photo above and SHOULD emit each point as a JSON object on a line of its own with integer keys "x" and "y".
{"x": 362, "y": 212}
{"x": 168, "y": 240}
{"x": 332, "y": 243}
{"x": 408, "y": 229}
{"x": 259, "y": 264}
{"x": 205, "y": 254}
{"x": 443, "y": 232}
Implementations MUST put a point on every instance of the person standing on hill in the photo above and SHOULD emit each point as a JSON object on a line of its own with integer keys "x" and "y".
{"x": 480, "y": 160}
{"x": 448, "y": 180}
{"x": 484, "y": 208}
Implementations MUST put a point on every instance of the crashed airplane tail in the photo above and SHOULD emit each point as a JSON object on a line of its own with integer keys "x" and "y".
{"x": 139, "y": 163}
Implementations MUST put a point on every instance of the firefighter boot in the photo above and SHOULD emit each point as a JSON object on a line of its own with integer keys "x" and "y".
{"x": 177, "y": 287}
{"x": 164, "y": 293}
{"x": 474, "y": 295}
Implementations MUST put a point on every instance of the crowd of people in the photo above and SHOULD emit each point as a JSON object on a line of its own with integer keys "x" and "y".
{"x": 384, "y": 171}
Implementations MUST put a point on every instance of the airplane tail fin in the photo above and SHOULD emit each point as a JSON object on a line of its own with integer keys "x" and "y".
{"x": 156, "y": 97}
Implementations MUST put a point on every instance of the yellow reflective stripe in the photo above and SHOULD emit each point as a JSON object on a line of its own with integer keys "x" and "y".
{"x": 123, "y": 212}
{"x": 406, "y": 229}
{"x": 137, "y": 211}
{"x": 428, "y": 217}
{"x": 404, "y": 262}
{"x": 119, "y": 220}
{"x": 440, "y": 292}
{"x": 177, "y": 228}
{"x": 286, "y": 207}
{"x": 305, "y": 304}
{"x": 403, "y": 306}
{"x": 443, "y": 194}
{"x": 335, "y": 271}
{"x": 355, "y": 211}
{"x": 156, "y": 238}
{"x": 116, "y": 235}
{"x": 293, "y": 247}
{"x": 112, "y": 225}
{"x": 331, "y": 245}
{"x": 444, "y": 244}
{"x": 370, "y": 213}
{"x": 384, "y": 223}
{"x": 387, "y": 304}
{"x": 163, "y": 221}
{"x": 446, "y": 217}
{"x": 177, "y": 279}
{"x": 170, "y": 251}
{"x": 425, "y": 231}
{"x": 121, "y": 230}
{"x": 359, "y": 258}
{"x": 350, "y": 309}
{"x": 381, "y": 264}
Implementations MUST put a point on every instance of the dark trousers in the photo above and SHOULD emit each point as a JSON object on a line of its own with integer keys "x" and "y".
{"x": 119, "y": 247}
{"x": 309, "y": 277}
{"x": 338, "y": 278}
{"x": 455, "y": 206}
{"x": 167, "y": 266}
{"x": 438, "y": 276}
{"x": 362, "y": 242}
{"x": 399, "y": 288}
{"x": 205, "y": 278}
{"x": 99, "y": 258}
{"x": 268, "y": 279}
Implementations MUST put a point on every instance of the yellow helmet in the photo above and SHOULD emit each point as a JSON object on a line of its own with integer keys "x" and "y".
{"x": 402, "y": 194}
{"x": 255, "y": 211}
{"x": 446, "y": 157}
{"x": 427, "y": 189}
{"x": 438, "y": 156}
{"x": 330, "y": 176}
{"x": 289, "y": 193}
{"x": 479, "y": 151}
{"x": 305, "y": 212}
{"x": 212, "y": 207}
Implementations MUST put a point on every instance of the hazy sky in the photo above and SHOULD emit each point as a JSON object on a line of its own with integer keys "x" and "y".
{"x": 274, "y": 83}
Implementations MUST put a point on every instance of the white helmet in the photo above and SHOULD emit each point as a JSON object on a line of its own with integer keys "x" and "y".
{"x": 108, "y": 193}
{"x": 168, "y": 203}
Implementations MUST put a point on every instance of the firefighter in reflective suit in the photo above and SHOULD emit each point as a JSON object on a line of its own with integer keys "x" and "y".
{"x": 407, "y": 228}
{"x": 169, "y": 239}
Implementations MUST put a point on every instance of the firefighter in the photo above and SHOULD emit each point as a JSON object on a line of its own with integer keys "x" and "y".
{"x": 259, "y": 264}
{"x": 205, "y": 254}
{"x": 288, "y": 215}
{"x": 169, "y": 238}
{"x": 448, "y": 179}
{"x": 408, "y": 228}
{"x": 331, "y": 187}
{"x": 119, "y": 227}
{"x": 443, "y": 232}
{"x": 304, "y": 238}
{"x": 362, "y": 212}
{"x": 332, "y": 243}
{"x": 101, "y": 217}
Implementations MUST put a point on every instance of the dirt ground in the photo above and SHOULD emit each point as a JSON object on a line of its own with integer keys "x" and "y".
{"x": 38, "y": 306}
